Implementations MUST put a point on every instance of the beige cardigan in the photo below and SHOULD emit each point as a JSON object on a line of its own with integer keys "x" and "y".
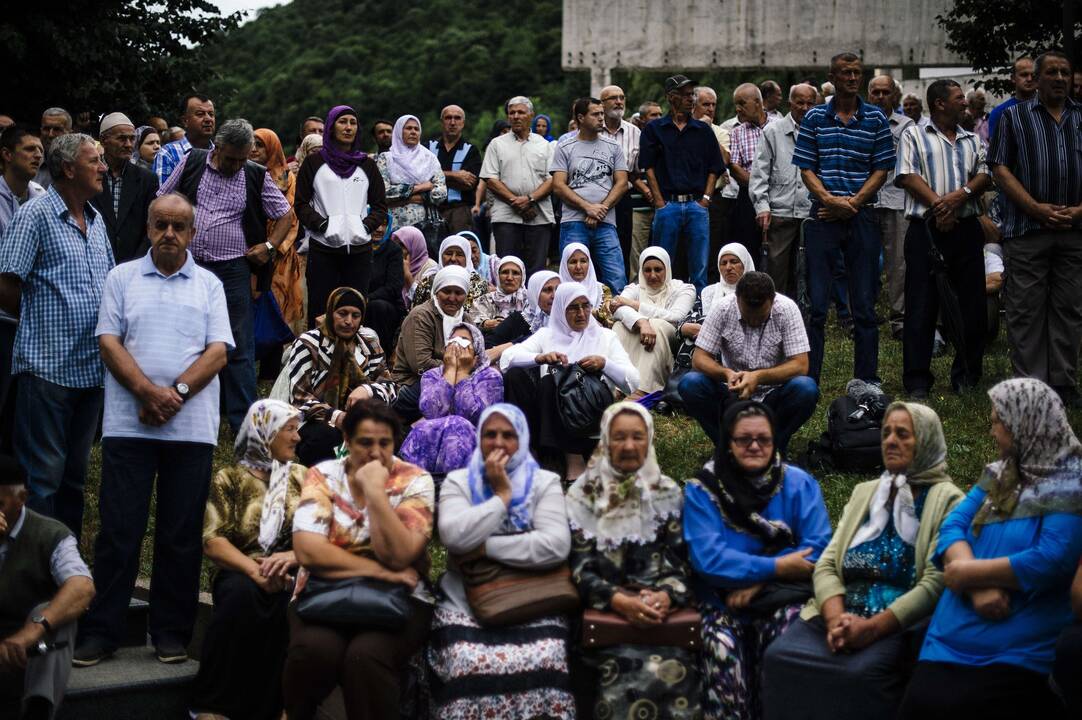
{"x": 920, "y": 601}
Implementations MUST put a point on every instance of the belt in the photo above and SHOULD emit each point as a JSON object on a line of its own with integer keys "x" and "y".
{"x": 692, "y": 197}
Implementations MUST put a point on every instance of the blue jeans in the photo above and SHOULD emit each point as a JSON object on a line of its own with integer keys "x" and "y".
{"x": 238, "y": 376}
{"x": 693, "y": 220}
{"x": 54, "y": 431}
{"x": 705, "y": 399}
{"x": 858, "y": 241}
{"x": 605, "y": 251}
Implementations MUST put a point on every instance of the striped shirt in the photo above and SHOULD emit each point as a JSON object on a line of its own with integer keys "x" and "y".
{"x": 1045, "y": 156}
{"x": 843, "y": 155}
{"x": 946, "y": 166}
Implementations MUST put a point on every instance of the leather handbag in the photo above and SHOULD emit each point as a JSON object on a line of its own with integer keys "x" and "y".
{"x": 581, "y": 398}
{"x": 683, "y": 629}
{"x": 500, "y": 595}
{"x": 778, "y": 594}
{"x": 355, "y": 602}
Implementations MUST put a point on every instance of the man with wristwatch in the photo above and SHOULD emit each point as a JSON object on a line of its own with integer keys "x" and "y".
{"x": 44, "y": 587}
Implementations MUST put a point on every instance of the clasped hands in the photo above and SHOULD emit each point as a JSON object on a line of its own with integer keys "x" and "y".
{"x": 646, "y": 608}
{"x": 744, "y": 383}
{"x": 590, "y": 363}
{"x": 159, "y": 404}
{"x": 522, "y": 205}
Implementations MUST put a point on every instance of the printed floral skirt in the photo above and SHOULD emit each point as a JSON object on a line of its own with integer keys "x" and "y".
{"x": 643, "y": 681}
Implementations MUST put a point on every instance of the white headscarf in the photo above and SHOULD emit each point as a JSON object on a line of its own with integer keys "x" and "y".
{"x": 509, "y": 302}
{"x": 723, "y": 289}
{"x": 537, "y": 317}
{"x": 593, "y": 287}
{"x": 461, "y": 243}
{"x": 410, "y": 165}
{"x": 450, "y": 276}
{"x": 660, "y": 296}
{"x": 252, "y": 449}
{"x": 561, "y": 338}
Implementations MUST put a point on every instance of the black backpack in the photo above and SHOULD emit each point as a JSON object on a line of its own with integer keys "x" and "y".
{"x": 852, "y": 440}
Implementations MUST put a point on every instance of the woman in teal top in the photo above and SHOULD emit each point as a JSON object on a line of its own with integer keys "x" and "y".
{"x": 1009, "y": 551}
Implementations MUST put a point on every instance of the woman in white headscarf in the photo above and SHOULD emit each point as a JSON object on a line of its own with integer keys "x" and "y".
{"x": 576, "y": 265}
{"x": 454, "y": 250}
{"x": 648, "y": 312}
{"x": 413, "y": 177}
{"x": 495, "y": 306}
{"x": 733, "y": 261}
{"x": 247, "y": 534}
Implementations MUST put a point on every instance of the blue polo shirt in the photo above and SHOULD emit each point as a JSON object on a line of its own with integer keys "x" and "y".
{"x": 993, "y": 117}
{"x": 843, "y": 155}
{"x": 681, "y": 159}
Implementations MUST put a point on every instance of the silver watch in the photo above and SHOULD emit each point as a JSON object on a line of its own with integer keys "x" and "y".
{"x": 967, "y": 190}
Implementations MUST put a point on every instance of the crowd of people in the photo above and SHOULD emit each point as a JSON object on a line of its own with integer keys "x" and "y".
{"x": 431, "y": 379}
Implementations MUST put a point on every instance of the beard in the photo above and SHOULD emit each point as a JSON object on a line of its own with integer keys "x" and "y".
{"x": 614, "y": 114}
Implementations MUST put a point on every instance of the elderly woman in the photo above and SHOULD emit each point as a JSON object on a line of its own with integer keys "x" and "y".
{"x": 454, "y": 250}
{"x": 874, "y": 584}
{"x": 733, "y": 261}
{"x": 754, "y": 526}
{"x": 647, "y": 313}
{"x": 485, "y": 264}
{"x": 1008, "y": 552}
{"x": 367, "y": 515}
{"x": 147, "y": 144}
{"x": 248, "y": 535}
{"x": 416, "y": 264}
{"x": 452, "y": 399}
{"x": 424, "y": 336}
{"x": 332, "y": 367}
{"x": 505, "y": 508}
{"x": 414, "y": 179}
{"x": 628, "y": 557}
{"x": 495, "y": 306}
{"x": 386, "y": 309}
{"x": 577, "y": 266}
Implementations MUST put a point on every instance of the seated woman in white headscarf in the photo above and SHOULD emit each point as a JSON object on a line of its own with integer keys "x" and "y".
{"x": 572, "y": 336}
{"x": 454, "y": 250}
{"x": 648, "y": 312}
{"x": 509, "y": 297}
{"x": 576, "y": 265}
{"x": 520, "y": 324}
{"x": 733, "y": 261}
{"x": 484, "y": 263}
{"x": 501, "y": 507}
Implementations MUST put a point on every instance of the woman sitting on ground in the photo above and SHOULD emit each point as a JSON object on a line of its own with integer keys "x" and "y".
{"x": 366, "y": 515}
{"x": 1008, "y": 552}
{"x": 577, "y": 266}
{"x": 520, "y": 324}
{"x": 452, "y": 399}
{"x": 495, "y": 306}
{"x": 486, "y": 264}
{"x": 628, "y": 557}
{"x": 415, "y": 181}
{"x": 875, "y": 584}
{"x": 505, "y": 508}
{"x": 648, "y": 312}
{"x": 454, "y": 250}
{"x": 386, "y": 310}
{"x": 332, "y": 367}
{"x": 248, "y": 535}
{"x": 754, "y": 526}
{"x": 416, "y": 264}
{"x": 733, "y": 261}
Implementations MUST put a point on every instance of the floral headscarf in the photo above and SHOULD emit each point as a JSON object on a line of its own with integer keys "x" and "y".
{"x": 252, "y": 450}
{"x": 481, "y": 359}
{"x": 520, "y": 469}
{"x": 507, "y": 303}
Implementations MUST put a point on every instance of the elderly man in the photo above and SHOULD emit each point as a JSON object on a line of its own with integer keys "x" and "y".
{"x": 54, "y": 122}
{"x": 642, "y": 201}
{"x": 234, "y": 198}
{"x": 626, "y": 135}
{"x": 744, "y": 146}
{"x": 127, "y": 189}
{"x": 197, "y": 117}
{"x": 461, "y": 163}
{"x": 54, "y": 257}
{"x": 1036, "y": 159}
{"x": 1025, "y": 86}
{"x": 683, "y": 163}
{"x": 777, "y": 194}
{"x": 516, "y": 169}
{"x": 47, "y": 587}
{"x": 771, "y": 93}
{"x": 721, "y": 204}
{"x": 844, "y": 152}
{"x": 160, "y": 125}
{"x": 913, "y": 108}
{"x": 976, "y": 118}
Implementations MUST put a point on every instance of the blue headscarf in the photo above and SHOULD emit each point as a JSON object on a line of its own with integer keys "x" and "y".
{"x": 484, "y": 265}
{"x": 548, "y": 133}
{"x": 520, "y": 469}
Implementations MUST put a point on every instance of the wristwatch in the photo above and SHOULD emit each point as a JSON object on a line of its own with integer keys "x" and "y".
{"x": 967, "y": 190}
{"x": 40, "y": 620}
{"x": 183, "y": 390}
{"x": 270, "y": 248}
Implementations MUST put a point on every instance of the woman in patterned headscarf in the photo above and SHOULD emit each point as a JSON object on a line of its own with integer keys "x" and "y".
{"x": 247, "y": 534}
{"x": 1008, "y": 552}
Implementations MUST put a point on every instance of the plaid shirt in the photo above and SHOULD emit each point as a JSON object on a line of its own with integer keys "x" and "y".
{"x": 167, "y": 159}
{"x": 63, "y": 274}
{"x": 744, "y": 143}
{"x": 115, "y": 183}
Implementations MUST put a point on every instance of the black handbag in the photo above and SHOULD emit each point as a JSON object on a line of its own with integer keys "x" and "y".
{"x": 581, "y": 398}
{"x": 778, "y": 594}
{"x": 357, "y": 602}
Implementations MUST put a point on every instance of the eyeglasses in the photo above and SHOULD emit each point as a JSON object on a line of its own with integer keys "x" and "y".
{"x": 745, "y": 441}
{"x": 579, "y": 307}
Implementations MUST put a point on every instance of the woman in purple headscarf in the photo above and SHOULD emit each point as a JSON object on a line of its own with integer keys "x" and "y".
{"x": 334, "y": 186}
{"x": 414, "y": 179}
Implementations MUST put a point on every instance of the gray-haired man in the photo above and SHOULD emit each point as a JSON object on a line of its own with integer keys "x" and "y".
{"x": 54, "y": 122}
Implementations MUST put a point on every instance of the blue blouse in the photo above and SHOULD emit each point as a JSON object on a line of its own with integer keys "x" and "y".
{"x": 878, "y": 572}
{"x": 724, "y": 558}
{"x": 1043, "y": 552}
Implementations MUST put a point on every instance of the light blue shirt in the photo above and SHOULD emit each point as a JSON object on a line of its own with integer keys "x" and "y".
{"x": 9, "y": 205}
{"x": 166, "y": 323}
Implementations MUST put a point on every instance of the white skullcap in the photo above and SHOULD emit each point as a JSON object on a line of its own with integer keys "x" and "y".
{"x": 111, "y": 120}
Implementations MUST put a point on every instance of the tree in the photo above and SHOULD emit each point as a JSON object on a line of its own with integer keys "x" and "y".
{"x": 990, "y": 34}
{"x": 136, "y": 56}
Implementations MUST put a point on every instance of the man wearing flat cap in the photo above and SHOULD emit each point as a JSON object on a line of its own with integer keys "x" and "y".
{"x": 127, "y": 190}
{"x": 682, "y": 161}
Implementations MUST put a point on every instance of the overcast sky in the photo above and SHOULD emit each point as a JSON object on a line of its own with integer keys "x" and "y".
{"x": 228, "y": 6}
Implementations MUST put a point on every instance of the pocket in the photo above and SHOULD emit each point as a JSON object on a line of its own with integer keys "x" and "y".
{"x": 190, "y": 322}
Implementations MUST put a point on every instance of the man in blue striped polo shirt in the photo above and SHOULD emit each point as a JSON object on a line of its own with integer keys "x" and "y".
{"x": 844, "y": 151}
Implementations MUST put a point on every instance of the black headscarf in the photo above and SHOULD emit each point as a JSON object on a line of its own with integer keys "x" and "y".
{"x": 742, "y": 497}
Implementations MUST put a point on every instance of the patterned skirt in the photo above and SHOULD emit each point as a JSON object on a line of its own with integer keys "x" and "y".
{"x": 511, "y": 673}
{"x": 640, "y": 681}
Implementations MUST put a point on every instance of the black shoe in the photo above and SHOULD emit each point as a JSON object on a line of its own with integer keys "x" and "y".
{"x": 170, "y": 652}
{"x": 90, "y": 652}
{"x": 1070, "y": 396}
{"x": 918, "y": 394}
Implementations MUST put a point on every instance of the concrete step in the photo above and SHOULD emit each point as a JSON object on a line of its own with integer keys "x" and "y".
{"x": 131, "y": 685}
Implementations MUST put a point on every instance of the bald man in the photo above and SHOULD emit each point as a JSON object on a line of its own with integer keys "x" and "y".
{"x": 461, "y": 163}
{"x": 744, "y": 145}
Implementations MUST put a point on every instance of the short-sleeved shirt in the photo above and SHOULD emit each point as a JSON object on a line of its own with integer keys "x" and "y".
{"x": 944, "y": 165}
{"x": 463, "y": 156}
{"x": 627, "y": 137}
{"x": 1044, "y": 155}
{"x": 739, "y": 346}
{"x": 65, "y": 562}
{"x": 63, "y": 273}
{"x": 590, "y": 166}
{"x": 219, "y": 212}
{"x": 169, "y": 157}
{"x": 235, "y": 509}
{"x": 681, "y": 159}
{"x": 844, "y": 155}
{"x": 523, "y": 166}
{"x": 891, "y": 196}
{"x": 165, "y": 323}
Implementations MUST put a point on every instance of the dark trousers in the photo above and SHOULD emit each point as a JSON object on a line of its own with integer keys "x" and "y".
{"x": 56, "y": 428}
{"x": 720, "y": 211}
{"x": 528, "y": 242}
{"x": 946, "y": 691}
{"x": 327, "y": 271}
{"x": 318, "y": 442}
{"x": 408, "y": 402}
{"x": 1041, "y": 292}
{"x": 858, "y": 240}
{"x": 385, "y": 318}
{"x": 457, "y": 218}
{"x": 238, "y": 375}
{"x": 7, "y": 387}
{"x": 784, "y": 243}
{"x": 744, "y": 229}
{"x": 962, "y": 250}
{"x": 623, "y": 227}
{"x": 128, "y": 469}
{"x": 1067, "y": 671}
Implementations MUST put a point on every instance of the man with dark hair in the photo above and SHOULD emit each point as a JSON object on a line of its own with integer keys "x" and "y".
{"x": 382, "y": 130}
{"x": 46, "y": 587}
{"x": 197, "y": 117}
{"x": 1025, "y": 86}
{"x": 771, "y": 93}
{"x": 751, "y": 346}
{"x": 461, "y": 163}
{"x": 161, "y": 126}
{"x": 844, "y": 152}
{"x": 1036, "y": 159}
{"x": 942, "y": 169}
{"x": 127, "y": 189}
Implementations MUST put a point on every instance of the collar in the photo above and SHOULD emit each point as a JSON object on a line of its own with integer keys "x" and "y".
{"x": 1069, "y": 105}
{"x": 667, "y": 120}
{"x": 750, "y": 125}
{"x": 147, "y": 266}
{"x": 858, "y": 115}
{"x": 13, "y": 533}
{"x": 440, "y": 145}
{"x": 791, "y": 124}
{"x": 624, "y": 124}
{"x": 60, "y": 208}
{"x": 959, "y": 131}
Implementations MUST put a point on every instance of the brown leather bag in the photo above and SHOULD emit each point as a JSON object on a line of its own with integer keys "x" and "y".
{"x": 683, "y": 629}
{"x": 501, "y": 595}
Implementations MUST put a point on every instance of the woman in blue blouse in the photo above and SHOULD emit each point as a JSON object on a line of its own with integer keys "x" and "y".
{"x": 754, "y": 527}
{"x": 1009, "y": 551}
